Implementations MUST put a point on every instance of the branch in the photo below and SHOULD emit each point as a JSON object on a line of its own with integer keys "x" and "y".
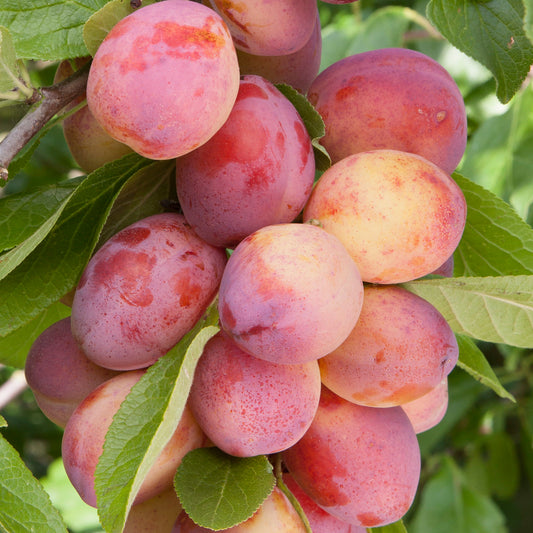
{"x": 14, "y": 386}
{"x": 50, "y": 100}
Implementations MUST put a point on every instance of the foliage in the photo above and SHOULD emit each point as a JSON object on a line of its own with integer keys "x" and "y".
{"x": 474, "y": 479}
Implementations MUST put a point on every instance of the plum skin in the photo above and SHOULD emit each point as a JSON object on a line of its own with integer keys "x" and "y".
{"x": 248, "y": 406}
{"x": 391, "y": 98}
{"x": 360, "y": 464}
{"x": 84, "y": 435}
{"x": 143, "y": 290}
{"x": 400, "y": 349}
{"x": 290, "y": 293}
{"x": 164, "y": 79}
{"x": 399, "y": 215}
{"x": 261, "y": 160}
{"x": 59, "y": 374}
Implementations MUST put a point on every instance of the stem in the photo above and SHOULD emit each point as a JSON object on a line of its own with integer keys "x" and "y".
{"x": 50, "y": 100}
{"x": 14, "y": 386}
{"x": 278, "y": 471}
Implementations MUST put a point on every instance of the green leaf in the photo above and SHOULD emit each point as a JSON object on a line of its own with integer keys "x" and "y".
{"x": 384, "y": 28}
{"x": 218, "y": 490}
{"x": 50, "y": 30}
{"x": 397, "y": 527}
{"x": 140, "y": 197}
{"x": 54, "y": 267}
{"x": 145, "y": 422}
{"x": 503, "y": 465}
{"x": 473, "y": 361}
{"x": 492, "y": 309}
{"x": 3, "y": 423}
{"x": 496, "y": 241}
{"x": 500, "y": 154}
{"x": 15, "y": 346}
{"x": 26, "y": 219}
{"x": 448, "y": 504}
{"x": 25, "y": 504}
{"x": 313, "y": 123}
{"x": 10, "y": 75}
{"x": 490, "y": 31}
{"x": 99, "y": 24}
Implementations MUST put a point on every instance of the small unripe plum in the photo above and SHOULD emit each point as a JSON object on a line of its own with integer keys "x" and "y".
{"x": 268, "y": 27}
{"x": 248, "y": 406}
{"x": 85, "y": 432}
{"x": 261, "y": 160}
{"x": 156, "y": 515}
{"x": 428, "y": 410}
{"x": 360, "y": 464}
{"x": 276, "y": 515}
{"x": 399, "y": 350}
{"x": 319, "y": 520}
{"x": 90, "y": 145}
{"x": 143, "y": 290}
{"x": 392, "y": 98}
{"x": 298, "y": 69}
{"x": 290, "y": 293}
{"x": 399, "y": 215}
{"x": 59, "y": 374}
{"x": 165, "y": 78}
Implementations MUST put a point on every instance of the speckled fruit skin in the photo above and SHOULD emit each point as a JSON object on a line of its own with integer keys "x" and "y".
{"x": 268, "y": 27}
{"x": 400, "y": 349}
{"x": 143, "y": 290}
{"x": 298, "y": 69}
{"x": 399, "y": 216}
{"x": 84, "y": 435}
{"x": 165, "y": 78}
{"x": 257, "y": 170}
{"x": 248, "y": 406}
{"x": 360, "y": 464}
{"x": 290, "y": 293}
{"x": 319, "y": 520}
{"x": 59, "y": 373}
{"x": 392, "y": 98}
{"x": 427, "y": 411}
{"x": 276, "y": 515}
{"x": 90, "y": 145}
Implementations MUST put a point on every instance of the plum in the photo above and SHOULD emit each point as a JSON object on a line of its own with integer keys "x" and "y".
{"x": 290, "y": 293}
{"x": 165, "y": 78}
{"x": 143, "y": 290}
{"x": 261, "y": 160}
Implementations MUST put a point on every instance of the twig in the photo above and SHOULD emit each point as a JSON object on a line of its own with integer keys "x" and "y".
{"x": 49, "y": 100}
{"x": 14, "y": 386}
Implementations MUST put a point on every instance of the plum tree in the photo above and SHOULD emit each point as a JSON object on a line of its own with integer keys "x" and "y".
{"x": 143, "y": 290}
{"x": 400, "y": 348}
{"x": 248, "y": 406}
{"x": 59, "y": 374}
{"x": 360, "y": 464}
{"x": 261, "y": 160}
{"x": 421, "y": 213}
{"x": 290, "y": 293}
{"x": 85, "y": 432}
{"x": 391, "y": 98}
{"x": 176, "y": 56}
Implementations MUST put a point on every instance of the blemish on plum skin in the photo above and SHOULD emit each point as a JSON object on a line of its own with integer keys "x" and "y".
{"x": 251, "y": 90}
{"x": 132, "y": 236}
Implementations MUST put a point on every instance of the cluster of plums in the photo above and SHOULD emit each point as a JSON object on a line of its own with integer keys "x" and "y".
{"x": 322, "y": 355}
